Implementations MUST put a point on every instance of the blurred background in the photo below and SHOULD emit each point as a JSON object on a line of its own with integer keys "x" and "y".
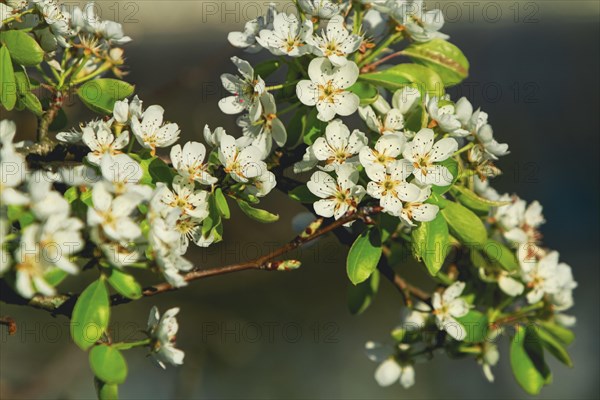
{"x": 534, "y": 69}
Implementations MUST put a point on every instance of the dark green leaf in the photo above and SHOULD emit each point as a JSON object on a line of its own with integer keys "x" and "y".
{"x": 296, "y": 128}
{"x": 90, "y": 315}
{"x": 464, "y": 224}
{"x": 441, "y": 56}
{"x": 125, "y": 284}
{"x": 23, "y": 48}
{"x": 361, "y": 295}
{"x": 55, "y": 276}
{"x": 108, "y": 364}
{"x": 314, "y": 127}
{"x": 32, "y": 103}
{"x": 8, "y": 86}
{"x": 221, "y": 203}
{"x": 256, "y": 213}
{"x": 364, "y": 256}
{"x": 476, "y": 325}
{"x": 303, "y": 195}
{"x": 431, "y": 243}
{"x": 100, "y": 95}
{"x": 417, "y": 119}
{"x": 266, "y": 68}
{"x": 367, "y": 93}
{"x": 402, "y": 75}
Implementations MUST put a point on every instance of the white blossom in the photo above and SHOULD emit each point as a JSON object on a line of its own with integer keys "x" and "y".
{"x": 386, "y": 151}
{"x": 162, "y": 332}
{"x": 246, "y": 91}
{"x": 449, "y": 306}
{"x": 246, "y": 39}
{"x": 287, "y": 37}
{"x": 5, "y": 256}
{"x": 421, "y": 25}
{"x": 406, "y": 99}
{"x": 390, "y": 187}
{"x": 13, "y": 171}
{"x": 186, "y": 198}
{"x": 338, "y": 196}
{"x": 57, "y": 19}
{"x": 150, "y": 132}
{"x": 424, "y": 155}
{"x": 267, "y": 128}
{"x": 414, "y": 207}
{"x": 124, "y": 111}
{"x": 540, "y": 276}
{"x": 44, "y": 201}
{"x": 325, "y": 9}
{"x": 326, "y": 88}
{"x": 519, "y": 222}
{"x": 241, "y": 163}
{"x": 100, "y": 140}
{"x": 335, "y": 43}
{"x": 391, "y": 369}
{"x": 122, "y": 175}
{"x": 489, "y": 358}
{"x": 189, "y": 162}
{"x": 390, "y": 123}
{"x": 447, "y": 115}
{"x": 338, "y": 145}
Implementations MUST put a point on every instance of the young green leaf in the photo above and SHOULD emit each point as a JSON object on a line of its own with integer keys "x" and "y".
{"x": 90, "y": 315}
{"x": 100, "y": 95}
{"x": 367, "y": 93}
{"x": 431, "y": 243}
{"x": 361, "y": 295}
{"x": 23, "y": 48}
{"x": 314, "y": 127}
{"x": 441, "y": 56}
{"x": 266, "y": 68}
{"x": 471, "y": 200}
{"x": 554, "y": 346}
{"x": 125, "y": 284}
{"x": 364, "y": 256}
{"x": 256, "y": 213}
{"x": 501, "y": 254}
{"x": 8, "y": 86}
{"x": 402, "y": 75}
{"x": 106, "y": 391}
{"x": 108, "y": 364}
{"x": 563, "y": 334}
{"x": 55, "y": 276}
{"x": 476, "y": 326}
{"x": 527, "y": 361}
{"x": 464, "y": 224}
{"x": 221, "y": 203}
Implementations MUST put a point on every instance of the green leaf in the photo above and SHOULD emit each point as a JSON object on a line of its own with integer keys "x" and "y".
{"x": 554, "y": 346}
{"x": 431, "y": 243}
{"x": 527, "y": 361}
{"x": 499, "y": 253}
{"x": 464, "y": 224}
{"x": 452, "y": 166}
{"x": 388, "y": 225}
{"x": 266, "y": 68}
{"x": 221, "y": 203}
{"x": 55, "y": 276}
{"x": 106, "y": 391}
{"x": 476, "y": 325}
{"x": 100, "y": 95}
{"x": 8, "y": 86}
{"x": 361, "y": 295}
{"x": 296, "y": 128}
{"x": 108, "y": 364}
{"x": 90, "y": 315}
{"x": 22, "y": 81}
{"x": 256, "y": 213}
{"x": 402, "y": 75}
{"x": 314, "y": 127}
{"x": 23, "y": 48}
{"x": 32, "y": 103}
{"x": 125, "y": 284}
{"x": 364, "y": 256}
{"x": 417, "y": 119}
{"x": 367, "y": 93}
{"x": 476, "y": 203}
{"x": 563, "y": 334}
{"x": 303, "y": 195}
{"x": 441, "y": 56}
{"x": 153, "y": 169}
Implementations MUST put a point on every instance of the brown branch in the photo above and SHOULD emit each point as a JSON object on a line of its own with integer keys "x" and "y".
{"x": 406, "y": 289}
{"x": 63, "y": 304}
